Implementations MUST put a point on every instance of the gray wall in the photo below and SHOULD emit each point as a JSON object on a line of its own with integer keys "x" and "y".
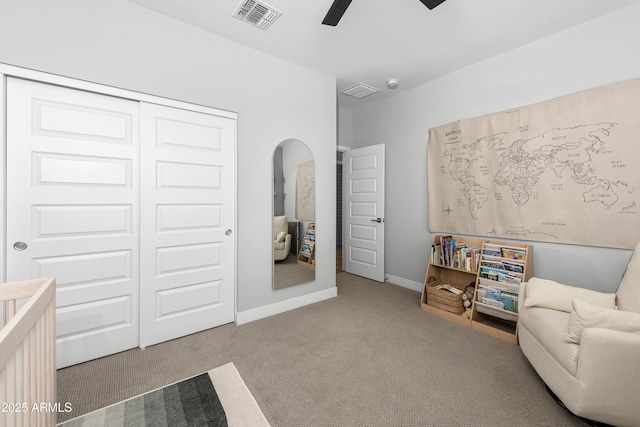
{"x": 602, "y": 51}
{"x": 119, "y": 43}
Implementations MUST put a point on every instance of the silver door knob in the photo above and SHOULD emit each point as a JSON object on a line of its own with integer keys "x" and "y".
{"x": 19, "y": 246}
{"x": 228, "y": 232}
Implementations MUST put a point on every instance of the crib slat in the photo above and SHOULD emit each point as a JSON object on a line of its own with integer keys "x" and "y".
{"x": 27, "y": 353}
{"x": 11, "y": 309}
{"x": 32, "y": 368}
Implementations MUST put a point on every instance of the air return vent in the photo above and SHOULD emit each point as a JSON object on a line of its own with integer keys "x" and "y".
{"x": 360, "y": 90}
{"x": 256, "y": 13}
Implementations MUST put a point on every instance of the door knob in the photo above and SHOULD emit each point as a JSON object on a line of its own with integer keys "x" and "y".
{"x": 228, "y": 232}
{"x": 19, "y": 246}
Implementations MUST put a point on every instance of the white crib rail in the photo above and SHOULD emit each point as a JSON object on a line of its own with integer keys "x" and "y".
{"x": 28, "y": 354}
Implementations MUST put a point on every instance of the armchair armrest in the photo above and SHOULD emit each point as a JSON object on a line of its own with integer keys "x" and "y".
{"x": 522, "y": 295}
{"x": 608, "y": 370}
{"x": 610, "y": 351}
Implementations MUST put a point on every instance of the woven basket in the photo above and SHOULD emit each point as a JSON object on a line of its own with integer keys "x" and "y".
{"x": 444, "y": 300}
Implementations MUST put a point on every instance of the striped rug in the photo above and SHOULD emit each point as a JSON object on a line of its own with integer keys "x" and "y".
{"x": 216, "y": 398}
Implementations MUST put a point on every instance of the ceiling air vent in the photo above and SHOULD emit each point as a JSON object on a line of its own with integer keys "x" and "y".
{"x": 360, "y": 90}
{"x": 256, "y": 13}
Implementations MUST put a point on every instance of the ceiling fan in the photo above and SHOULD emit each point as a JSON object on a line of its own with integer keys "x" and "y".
{"x": 338, "y": 8}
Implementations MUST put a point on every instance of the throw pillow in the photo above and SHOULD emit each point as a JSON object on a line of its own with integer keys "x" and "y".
{"x": 586, "y": 315}
{"x": 281, "y": 236}
{"x": 554, "y": 295}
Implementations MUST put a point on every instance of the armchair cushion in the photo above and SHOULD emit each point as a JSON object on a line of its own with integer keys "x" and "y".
{"x": 549, "y": 328}
{"x": 586, "y": 315}
{"x": 554, "y": 295}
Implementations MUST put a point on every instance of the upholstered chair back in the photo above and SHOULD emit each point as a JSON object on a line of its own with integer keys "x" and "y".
{"x": 628, "y": 293}
{"x": 280, "y": 223}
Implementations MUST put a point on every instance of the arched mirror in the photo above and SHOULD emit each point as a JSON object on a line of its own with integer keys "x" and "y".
{"x": 294, "y": 199}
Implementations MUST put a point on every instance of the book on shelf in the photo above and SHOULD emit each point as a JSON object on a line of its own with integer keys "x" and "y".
{"x": 493, "y": 264}
{"x": 497, "y": 289}
{"x": 506, "y": 278}
{"x": 451, "y": 253}
{"x": 446, "y": 243}
{"x": 500, "y": 275}
{"x": 513, "y": 253}
{"x": 508, "y": 302}
{"x": 492, "y": 252}
{"x": 507, "y": 299}
{"x": 493, "y": 303}
{"x": 513, "y": 267}
{"x": 306, "y": 250}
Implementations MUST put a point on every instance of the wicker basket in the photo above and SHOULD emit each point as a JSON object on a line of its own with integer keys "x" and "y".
{"x": 442, "y": 299}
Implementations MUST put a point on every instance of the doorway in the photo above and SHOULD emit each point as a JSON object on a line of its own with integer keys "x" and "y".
{"x": 364, "y": 185}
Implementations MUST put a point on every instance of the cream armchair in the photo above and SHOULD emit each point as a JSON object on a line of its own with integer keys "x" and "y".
{"x": 586, "y": 351}
{"x": 281, "y": 238}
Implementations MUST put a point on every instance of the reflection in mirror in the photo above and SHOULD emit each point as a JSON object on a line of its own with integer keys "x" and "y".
{"x": 294, "y": 200}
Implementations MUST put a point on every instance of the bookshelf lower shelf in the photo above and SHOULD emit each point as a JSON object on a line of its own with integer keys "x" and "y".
{"x": 498, "y": 328}
{"x": 496, "y": 312}
{"x": 455, "y": 318}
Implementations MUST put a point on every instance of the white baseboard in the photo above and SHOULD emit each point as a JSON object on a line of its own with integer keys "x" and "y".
{"x": 405, "y": 283}
{"x": 283, "y": 306}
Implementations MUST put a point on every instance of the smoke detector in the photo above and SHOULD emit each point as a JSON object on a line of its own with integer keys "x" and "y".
{"x": 392, "y": 83}
{"x": 256, "y": 13}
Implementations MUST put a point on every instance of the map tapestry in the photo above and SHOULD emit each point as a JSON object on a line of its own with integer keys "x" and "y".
{"x": 565, "y": 170}
{"x": 306, "y": 191}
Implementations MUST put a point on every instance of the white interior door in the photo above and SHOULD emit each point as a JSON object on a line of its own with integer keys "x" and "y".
{"x": 188, "y": 257}
{"x": 363, "y": 195}
{"x": 72, "y": 211}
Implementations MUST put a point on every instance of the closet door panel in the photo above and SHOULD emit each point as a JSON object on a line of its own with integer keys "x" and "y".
{"x": 72, "y": 198}
{"x": 187, "y": 259}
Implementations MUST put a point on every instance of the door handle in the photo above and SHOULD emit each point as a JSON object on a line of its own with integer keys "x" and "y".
{"x": 19, "y": 246}
{"x": 377, "y": 220}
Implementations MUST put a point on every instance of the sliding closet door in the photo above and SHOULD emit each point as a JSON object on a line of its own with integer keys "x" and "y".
{"x": 187, "y": 207}
{"x": 72, "y": 211}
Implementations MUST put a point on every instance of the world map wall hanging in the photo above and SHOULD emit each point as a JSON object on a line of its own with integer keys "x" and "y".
{"x": 565, "y": 170}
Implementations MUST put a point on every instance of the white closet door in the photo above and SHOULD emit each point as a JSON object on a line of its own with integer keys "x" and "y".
{"x": 72, "y": 211}
{"x": 187, "y": 207}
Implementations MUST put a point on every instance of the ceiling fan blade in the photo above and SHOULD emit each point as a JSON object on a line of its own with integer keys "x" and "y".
{"x": 432, "y": 3}
{"x": 336, "y": 11}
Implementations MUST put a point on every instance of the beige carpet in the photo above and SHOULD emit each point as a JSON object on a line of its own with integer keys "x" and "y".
{"x": 369, "y": 357}
{"x": 289, "y": 273}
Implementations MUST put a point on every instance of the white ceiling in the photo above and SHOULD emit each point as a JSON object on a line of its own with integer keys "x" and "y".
{"x": 381, "y": 39}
